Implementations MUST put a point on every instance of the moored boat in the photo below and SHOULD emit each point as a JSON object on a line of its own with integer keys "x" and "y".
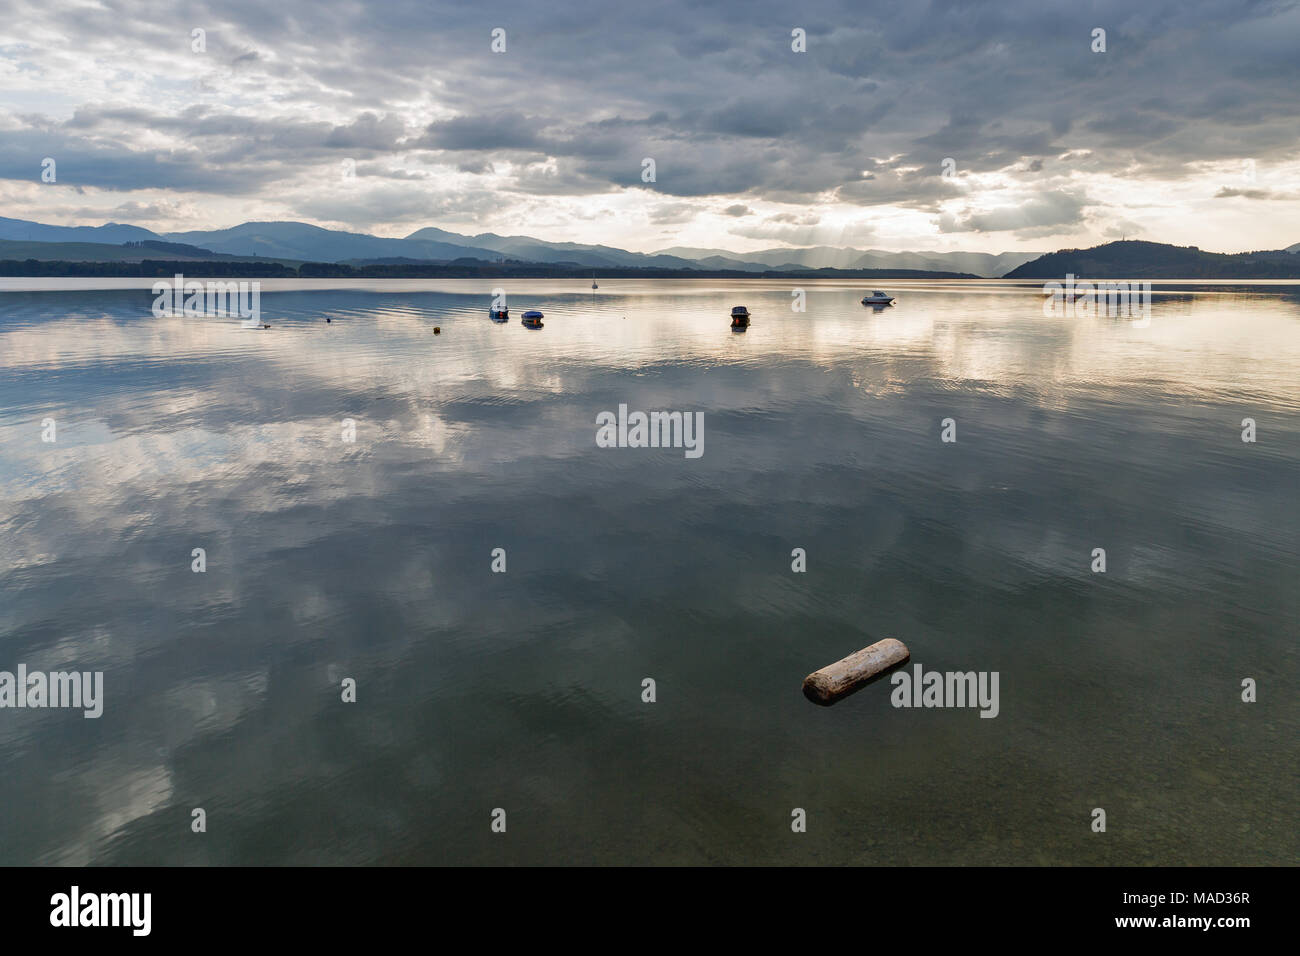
{"x": 532, "y": 320}
{"x": 877, "y": 298}
{"x": 739, "y": 317}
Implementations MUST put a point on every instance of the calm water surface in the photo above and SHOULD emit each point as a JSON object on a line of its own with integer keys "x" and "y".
{"x": 522, "y": 690}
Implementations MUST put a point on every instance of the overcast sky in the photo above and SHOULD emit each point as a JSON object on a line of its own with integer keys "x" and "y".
{"x": 1186, "y": 129}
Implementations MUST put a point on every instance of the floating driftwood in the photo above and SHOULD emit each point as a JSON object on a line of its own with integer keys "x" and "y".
{"x": 842, "y": 678}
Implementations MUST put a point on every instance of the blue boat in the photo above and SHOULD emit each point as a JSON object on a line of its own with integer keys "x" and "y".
{"x": 499, "y": 315}
{"x": 532, "y": 320}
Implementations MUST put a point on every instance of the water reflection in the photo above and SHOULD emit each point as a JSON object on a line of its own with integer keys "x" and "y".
{"x": 371, "y": 559}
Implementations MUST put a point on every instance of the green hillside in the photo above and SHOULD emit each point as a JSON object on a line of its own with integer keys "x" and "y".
{"x": 1156, "y": 260}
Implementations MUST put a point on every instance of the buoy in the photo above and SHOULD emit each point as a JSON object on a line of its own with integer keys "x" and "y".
{"x": 437, "y": 330}
{"x": 838, "y": 680}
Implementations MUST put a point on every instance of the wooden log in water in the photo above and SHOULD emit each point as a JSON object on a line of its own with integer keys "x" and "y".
{"x": 838, "y": 680}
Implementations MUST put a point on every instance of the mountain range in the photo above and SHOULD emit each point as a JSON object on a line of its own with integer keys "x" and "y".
{"x": 294, "y": 243}
{"x": 299, "y": 241}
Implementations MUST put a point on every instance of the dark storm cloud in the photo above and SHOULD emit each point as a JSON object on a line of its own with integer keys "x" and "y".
{"x": 485, "y": 133}
{"x": 1047, "y": 210}
{"x": 921, "y": 187}
{"x": 713, "y": 93}
{"x": 132, "y": 212}
{"x": 80, "y": 163}
{"x": 255, "y": 135}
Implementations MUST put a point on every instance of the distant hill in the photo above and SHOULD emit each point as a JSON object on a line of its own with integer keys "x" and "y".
{"x": 23, "y": 230}
{"x": 303, "y": 242}
{"x": 154, "y": 246}
{"x": 817, "y": 257}
{"x": 100, "y": 251}
{"x": 1133, "y": 259}
{"x": 539, "y": 250}
{"x": 431, "y": 248}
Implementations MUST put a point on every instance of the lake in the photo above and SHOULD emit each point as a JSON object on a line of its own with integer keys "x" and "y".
{"x": 371, "y": 560}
